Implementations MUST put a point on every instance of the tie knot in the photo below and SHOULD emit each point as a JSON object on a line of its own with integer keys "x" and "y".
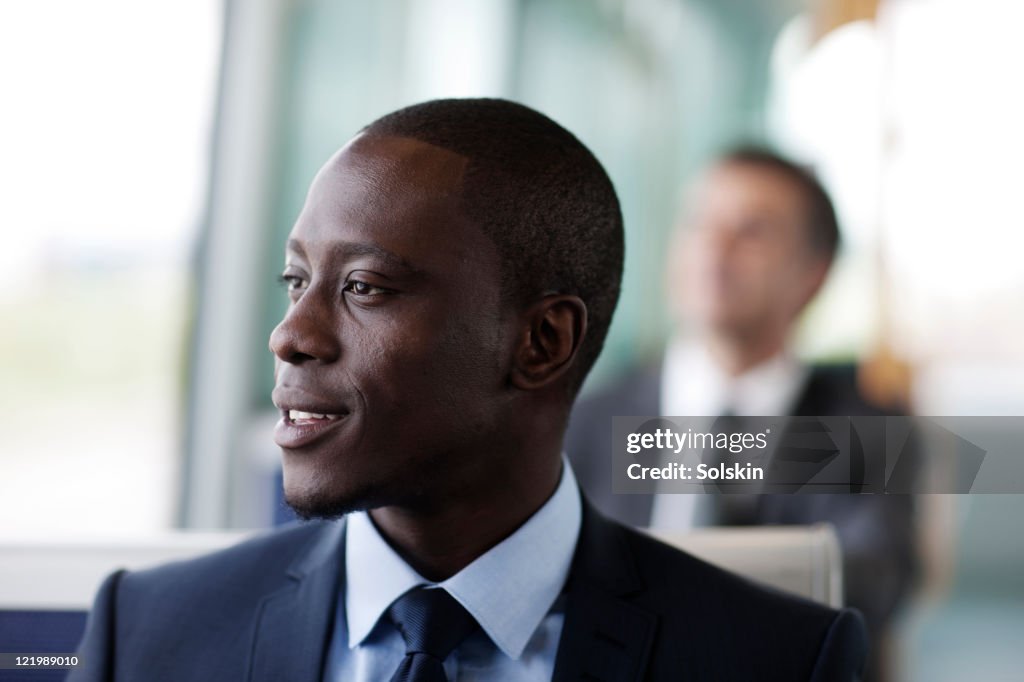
{"x": 431, "y": 621}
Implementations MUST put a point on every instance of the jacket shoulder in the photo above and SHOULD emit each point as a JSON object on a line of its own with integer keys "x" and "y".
{"x": 194, "y": 619}
{"x": 211, "y": 585}
{"x": 833, "y": 390}
{"x": 635, "y": 389}
{"x": 267, "y": 553}
{"x": 589, "y": 429}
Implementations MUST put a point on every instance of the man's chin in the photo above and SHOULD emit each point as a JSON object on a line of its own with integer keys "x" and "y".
{"x": 309, "y": 506}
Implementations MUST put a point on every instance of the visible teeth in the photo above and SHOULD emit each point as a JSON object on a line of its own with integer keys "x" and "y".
{"x": 296, "y": 415}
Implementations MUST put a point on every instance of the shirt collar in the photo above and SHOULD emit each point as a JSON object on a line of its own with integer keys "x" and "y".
{"x": 508, "y": 589}
{"x": 692, "y": 384}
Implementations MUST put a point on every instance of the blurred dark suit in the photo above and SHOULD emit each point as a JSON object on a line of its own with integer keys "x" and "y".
{"x": 876, "y": 532}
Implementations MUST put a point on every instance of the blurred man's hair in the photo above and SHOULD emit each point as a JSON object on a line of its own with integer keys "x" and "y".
{"x": 822, "y": 224}
{"x": 540, "y": 195}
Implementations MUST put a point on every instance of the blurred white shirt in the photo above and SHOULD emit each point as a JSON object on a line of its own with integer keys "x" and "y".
{"x": 693, "y": 385}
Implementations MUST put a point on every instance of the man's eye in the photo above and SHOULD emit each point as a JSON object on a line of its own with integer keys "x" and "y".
{"x": 292, "y": 282}
{"x": 363, "y": 289}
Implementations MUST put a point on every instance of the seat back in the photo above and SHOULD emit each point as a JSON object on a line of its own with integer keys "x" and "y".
{"x": 47, "y": 588}
{"x": 805, "y": 560}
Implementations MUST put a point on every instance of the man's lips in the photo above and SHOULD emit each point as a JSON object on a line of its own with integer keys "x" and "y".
{"x": 304, "y": 417}
{"x": 292, "y": 433}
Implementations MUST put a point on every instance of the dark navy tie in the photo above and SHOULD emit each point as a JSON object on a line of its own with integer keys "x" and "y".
{"x": 432, "y": 624}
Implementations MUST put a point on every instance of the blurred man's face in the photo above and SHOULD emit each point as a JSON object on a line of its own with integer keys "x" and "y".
{"x": 742, "y": 262}
{"x": 390, "y": 360}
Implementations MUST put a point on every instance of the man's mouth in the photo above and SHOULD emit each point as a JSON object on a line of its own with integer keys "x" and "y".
{"x": 299, "y": 428}
{"x": 302, "y": 418}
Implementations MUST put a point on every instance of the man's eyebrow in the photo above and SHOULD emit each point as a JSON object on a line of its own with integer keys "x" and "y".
{"x": 356, "y": 249}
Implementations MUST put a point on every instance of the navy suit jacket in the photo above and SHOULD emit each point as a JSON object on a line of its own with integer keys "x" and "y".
{"x": 636, "y": 610}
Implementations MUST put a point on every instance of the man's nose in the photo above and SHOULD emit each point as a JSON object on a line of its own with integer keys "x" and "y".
{"x": 307, "y": 333}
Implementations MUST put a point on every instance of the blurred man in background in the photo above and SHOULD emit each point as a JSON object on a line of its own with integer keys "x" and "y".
{"x": 757, "y": 242}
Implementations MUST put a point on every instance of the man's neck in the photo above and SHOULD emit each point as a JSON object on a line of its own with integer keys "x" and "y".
{"x": 440, "y": 541}
{"x": 736, "y": 355}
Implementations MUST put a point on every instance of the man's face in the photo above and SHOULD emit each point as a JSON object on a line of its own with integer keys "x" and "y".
{"x": 742, "y": 261}
{"x": 395, "y": 330}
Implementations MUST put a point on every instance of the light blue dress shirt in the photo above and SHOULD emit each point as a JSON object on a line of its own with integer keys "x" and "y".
{"x": 513, "y": 590}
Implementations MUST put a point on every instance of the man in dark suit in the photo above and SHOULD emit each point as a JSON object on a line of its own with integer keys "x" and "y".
{"x": 756, "y": 244}
{"x": 451, "y": 277}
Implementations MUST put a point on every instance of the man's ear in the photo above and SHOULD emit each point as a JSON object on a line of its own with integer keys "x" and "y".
{"x": 816, "y": 276}
{"x": 551, "y": 332}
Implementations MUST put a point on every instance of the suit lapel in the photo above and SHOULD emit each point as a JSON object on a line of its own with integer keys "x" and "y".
{"x": 811, "y": 397}
{"x": 294, "y": 623}
{"x": 604, "y": 637}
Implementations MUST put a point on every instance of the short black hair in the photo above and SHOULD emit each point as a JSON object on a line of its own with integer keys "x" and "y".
{"x": 822, "y": 223}
{"x": 540, "y": 195}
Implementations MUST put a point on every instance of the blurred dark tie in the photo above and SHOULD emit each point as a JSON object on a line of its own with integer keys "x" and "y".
{"x": 432, "y": 624}
{"x": 731, "y": 506}
{"x": 726, "y": 424}
{"x": 723, "y": 504}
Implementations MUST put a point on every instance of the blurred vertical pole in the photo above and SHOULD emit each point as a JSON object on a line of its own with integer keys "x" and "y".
{"x": 230, "y": 256}
{"x": 884, "y": 375}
